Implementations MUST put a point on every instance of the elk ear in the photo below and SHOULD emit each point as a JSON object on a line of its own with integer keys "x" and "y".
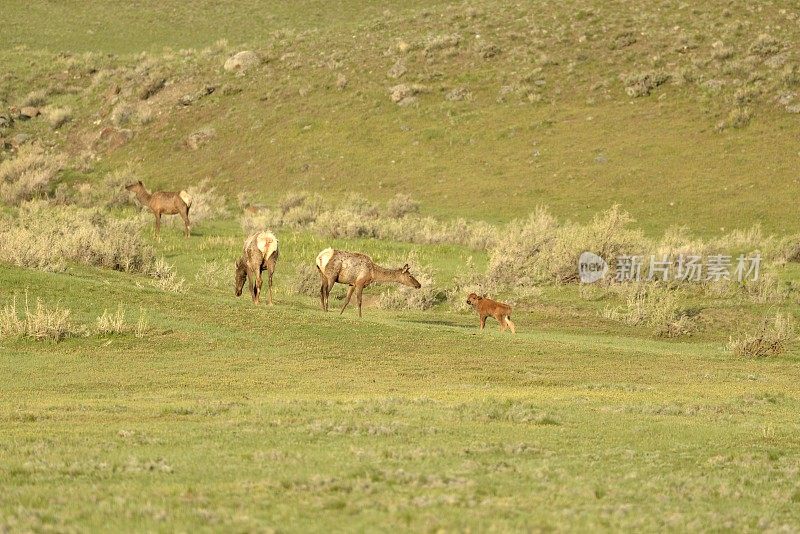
{"x": 405, "y": 268}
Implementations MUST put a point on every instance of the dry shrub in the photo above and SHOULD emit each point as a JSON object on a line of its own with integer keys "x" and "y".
{"x": 403, "y": 297}
{"x": 206, "y": 202}
{"x": 651, "y": 305}
{"x": 401, "y": 205}
{"x": 45, "y": 236}
{"x": 35, "y": 98}
{"x": 766, "y": 290}
{"x": 539, "y": 249}
{"x": 361, "y": 218}
{"x": 42, "y": 323}
{"x": 306, "y": 280}
{"x": 109, "y": 192}
{"x": 770, "y": 339}
{"x": 739, "y": 117}
{"x": 29, "y": 175}
{"x": 112, "y": 323}
{"x": 166, "y": 277}
{"x": 214, "y": 274}
{"x": 58, "y": 117}
{"x": 642, "y": 84}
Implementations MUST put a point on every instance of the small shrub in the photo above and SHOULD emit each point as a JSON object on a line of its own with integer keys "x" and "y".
{"x": 306, "y": 280}
{"x": 112, "y": 323}
{"x": 766, "y": 290}
{"x": 206, "y": 202}
{"x": 42, "y": 323}
{"x": 166, "y": 278}
{"x": 401, "y": 205}
{"x": 35, "y": 98}
{"x": 642, "y": 84}
{"x": 653, "y": 306}
{"x": 770, "y": 339}
{"x": 214, "y": 274}
{"x": 58, "y": 117}
{"x": 468, "y": 281}
{"x": 28, "y": 175}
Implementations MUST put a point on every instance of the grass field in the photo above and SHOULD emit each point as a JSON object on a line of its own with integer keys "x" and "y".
{"x": 201, "y": 411}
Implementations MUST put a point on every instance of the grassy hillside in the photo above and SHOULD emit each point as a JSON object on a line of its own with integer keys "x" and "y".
{"x": 516, "y": 106}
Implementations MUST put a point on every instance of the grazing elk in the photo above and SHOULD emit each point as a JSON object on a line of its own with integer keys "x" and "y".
{"x": 164, "y": 203}
{"x": 357, "y": 271}
{"x": 488, "y": 307}
{"x": 260, "y": 254}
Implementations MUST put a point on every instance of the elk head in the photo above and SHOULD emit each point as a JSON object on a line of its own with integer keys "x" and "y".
{"x": 473, "y": 299}
{"x": 135, "y": 186}
{"x": 406, "y": 279}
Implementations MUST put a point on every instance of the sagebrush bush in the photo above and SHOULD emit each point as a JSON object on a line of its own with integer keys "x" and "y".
{"x": 771, "y": 338}
{"x": 37, "y": 97}
{"x": 57, "y": 117}
{"x": 651, "y": 305}
{"x": 46, "y": 236}
{"x": 306, "y": 280}
{"x": 112, "y": 323}
{"x": 166, "y": 277}
{"x": 206, "y": 203}
{"x": 214, "y": 274}
{"x": 28, "y": 175}
{"x": 42, "y": 323}
{"x": 401, "y": 205}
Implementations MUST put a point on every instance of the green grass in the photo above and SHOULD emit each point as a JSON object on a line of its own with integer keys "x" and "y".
{"x": 231, "y": 417}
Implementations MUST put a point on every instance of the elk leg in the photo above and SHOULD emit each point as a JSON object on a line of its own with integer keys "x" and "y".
{"x": 185, "y": 216}
{"x": 483, "y": 322}
{"x": 502, "y": 321}
{"x": 323, "y": 285}
{"x": 359, "y": 292}
{"x": 270, "y": 287}
{"x": 158, "y": 222}
{"x": 347, "y": 300}
{"x": 250, "y": 285}
{"x": 259, "y": 281}
{"x": 328, "y": 287}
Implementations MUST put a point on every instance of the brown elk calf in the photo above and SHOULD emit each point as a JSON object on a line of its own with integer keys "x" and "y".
{"x": 164, "y": 203}
{"x": 260, "y": 254}
{"x": 488, "y": 307}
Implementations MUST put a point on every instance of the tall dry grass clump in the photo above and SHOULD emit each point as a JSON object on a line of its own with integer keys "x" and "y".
{"x": 46, "y": 236}
{"x": 771, "y": 338}
{"x": 653, "y": 306}
{"x": 29, "y": 175}
{"x": 42, "y": 322}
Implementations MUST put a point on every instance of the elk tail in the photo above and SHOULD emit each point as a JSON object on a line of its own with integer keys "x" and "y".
{"x": 187, "y": 198}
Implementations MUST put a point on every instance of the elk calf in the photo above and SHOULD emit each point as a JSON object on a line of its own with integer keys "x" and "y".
{"x": 488, "y": 307}
{"x": 164, "y": 203}
{"x": 260, "y": 253}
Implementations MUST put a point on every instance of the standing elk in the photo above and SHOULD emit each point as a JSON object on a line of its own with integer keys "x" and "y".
{"x": 164, "y": 203}
{"x": 357, "y": 271}
{"x": 260, "y": 254}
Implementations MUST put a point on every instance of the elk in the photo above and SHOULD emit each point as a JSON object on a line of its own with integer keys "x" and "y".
{"x": 260, "y": 254}
{"x": 487, "y": 307}
{"x": 163, "y": 203}
{"x": 357, "y": 271}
